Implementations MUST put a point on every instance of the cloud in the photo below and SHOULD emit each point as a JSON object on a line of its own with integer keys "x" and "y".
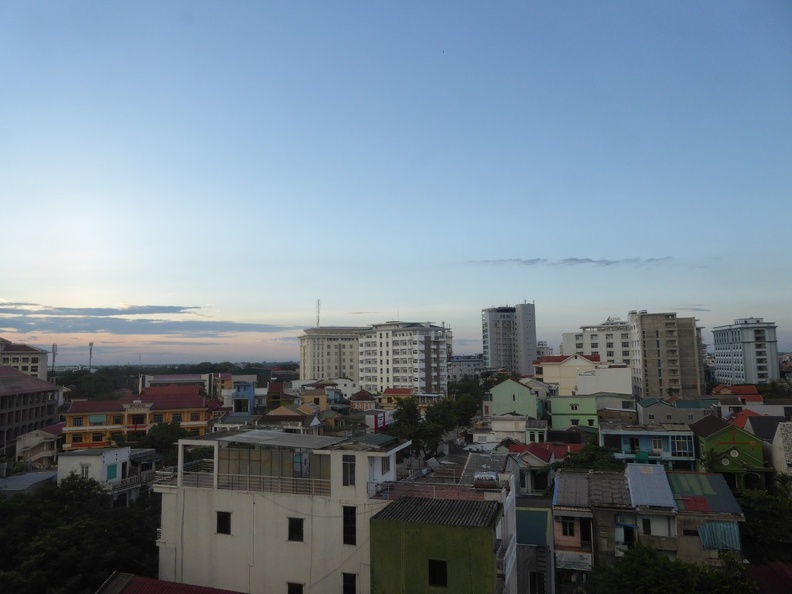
{"x": 520, "y": 261}
{"x": 694, "y": 307}
{"x": 123, "y": 320}
{"x": 361, "y": 313}
{"x": 575, "y": 261}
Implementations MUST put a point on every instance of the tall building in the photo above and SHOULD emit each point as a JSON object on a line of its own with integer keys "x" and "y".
{"x": 610, "y": 340}
{"x": 509, "y": 335}
{"x": 330, "y": 352}
{"x": 666, "y": 355}
{"x": 746, "y": 352}
{"x": 405, "y": 355}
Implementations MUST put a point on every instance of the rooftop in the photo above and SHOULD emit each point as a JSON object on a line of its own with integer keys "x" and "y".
{"x": 443, "y": 512}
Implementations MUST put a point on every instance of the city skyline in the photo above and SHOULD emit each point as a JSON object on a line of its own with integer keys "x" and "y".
{"x": 182, "y": 182}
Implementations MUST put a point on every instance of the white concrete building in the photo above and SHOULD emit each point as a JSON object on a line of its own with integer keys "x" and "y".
{"x": 405, "y": 355}
{"x": 610, "y": 340}
{"x": 330, "y": 352}
{"x": 462, "y": 367}
{"x": 509, "y": 335}
{"x": 616, "y": 379}
{"x": 274, "y": 512}
{"x": 746, "y": 352}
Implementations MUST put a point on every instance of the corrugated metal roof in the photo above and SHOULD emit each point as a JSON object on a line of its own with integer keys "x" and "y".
{"x": 704, "y": 492}
{"x": 720, "y": 536}
{"x": 591, "y": 489}
{"x": 648, "y": 486}
{"x": 481, "y": 462}
{"x": 444, "y": 512}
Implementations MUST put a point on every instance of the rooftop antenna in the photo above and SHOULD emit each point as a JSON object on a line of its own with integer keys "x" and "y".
{"x": 318, "y": 311}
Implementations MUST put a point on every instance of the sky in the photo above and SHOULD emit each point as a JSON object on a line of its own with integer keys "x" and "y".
{"x": 184, "y": 181}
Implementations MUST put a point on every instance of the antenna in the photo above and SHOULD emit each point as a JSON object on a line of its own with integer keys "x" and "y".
{"x": 90, "y": 356}
{"x": 318, "y": 311}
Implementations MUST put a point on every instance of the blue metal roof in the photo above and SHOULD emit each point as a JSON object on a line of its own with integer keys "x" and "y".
{"x": 720, "y": 536}
{"x": 649, "y": 486}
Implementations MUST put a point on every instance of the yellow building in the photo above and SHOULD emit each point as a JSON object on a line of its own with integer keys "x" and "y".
{"x": 100, "y": 423}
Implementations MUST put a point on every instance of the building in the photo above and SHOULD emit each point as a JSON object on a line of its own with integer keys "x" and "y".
{"x": 654, "y": 411}
{"x": 666, "y": 355}
{"x": 271, "y": 512}
{"x": 330, "y": 352}
{"x": 39, "y": 449}
{"x": 462, "y": 367}
{"x": 671, "y": 445}
{"x": 122, "y": 472}
{"x": 746, "y": 352}
{"x": 573, "y": 411}
{"x": 26, "y": 404}
{"x": 510, "y": 397}
{"x": 564, "y": 371}
{"x": 100, "y": 423}
{"x": 24, "y": 358}
{"x": 509, "y": 335}
{"x": 405, "y": 355}
{"x": 204, "y": 381}
{"x": 610, "y": 340}
{"x": 421, "y": 544}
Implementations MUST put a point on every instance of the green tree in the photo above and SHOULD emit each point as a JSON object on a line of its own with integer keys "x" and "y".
{"x": 163, "y": 437}
{"x": 644, "y": 570}
{"x": 767, "y": 531}
{"x": 591, "y": 457}
{"x": 777, "y": 388}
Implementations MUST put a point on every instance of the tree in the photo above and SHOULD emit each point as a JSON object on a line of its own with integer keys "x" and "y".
{"x": 407, "y": 422}
{"x": 644, "y": 570}
{"x": 163, "y": 438}
{"x": 777, "y": 388}
{"x": 591, "y": 457}
{"x": 767, "y": 531}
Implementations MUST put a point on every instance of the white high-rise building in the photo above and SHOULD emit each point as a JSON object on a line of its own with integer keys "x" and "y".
{"x": 610, "y": 340}
{"x": 330, "y": 352}
{"x": 746, "y": 352}
{"x": 509, "y": 335}
{"x": 405, "y": 355}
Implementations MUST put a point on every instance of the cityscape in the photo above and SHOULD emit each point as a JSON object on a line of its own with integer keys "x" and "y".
{"x": 394, "y": 298}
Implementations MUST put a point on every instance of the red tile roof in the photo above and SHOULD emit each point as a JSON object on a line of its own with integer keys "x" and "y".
{"x": 56, "y": 429}
{"x": 741, "y": 390}
{"x": 741, "y": 418}
{"x": 13, "y": 382}
{"x": 546, "y": 451}
{"x": 398, "y": 391}
{"x": 362, "y": 396}
{"x": 562, "y": 358}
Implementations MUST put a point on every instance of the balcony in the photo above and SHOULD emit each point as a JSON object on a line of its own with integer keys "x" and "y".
{"x": 200, "y": 474}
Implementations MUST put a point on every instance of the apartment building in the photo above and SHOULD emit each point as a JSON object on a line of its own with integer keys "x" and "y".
{"x": 746, "y": 352}
{"x": 610, "y": 340}
{"x": 330, "y": 352}
{"x": 666, "y": 355}
{"x": 272, "y": 512}
{"x": 509, "y": 336}
{"x": 26, "y": 404}
{"x": 411, "y": 355}
{"x": 25, "y": 358}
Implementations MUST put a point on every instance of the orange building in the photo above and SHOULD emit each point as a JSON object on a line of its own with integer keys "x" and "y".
{"x": 100, "y": 423}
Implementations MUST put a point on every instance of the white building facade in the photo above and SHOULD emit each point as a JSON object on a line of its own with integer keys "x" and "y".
{"x": 610, "y": 340}
{"x": 405, "y": 355}
{"x": 746, "y": 352}
{"x": 509, "y": 337}
{"x": 330, "y": 352}
{"x": 273, "y": 512}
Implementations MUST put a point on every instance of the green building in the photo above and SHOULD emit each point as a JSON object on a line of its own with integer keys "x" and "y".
{"x": 511, "y": 397}
{"x": 573, "y": 411}
{"x": 421, "y": 545}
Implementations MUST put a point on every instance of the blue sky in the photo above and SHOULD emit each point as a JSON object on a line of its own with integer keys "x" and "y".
{"x": 181, "y": 181}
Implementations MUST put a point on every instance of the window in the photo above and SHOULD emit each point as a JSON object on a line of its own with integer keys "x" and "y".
{"x": 112, "y": 472}
{"x": 349, "y": 581}
{"x": 195, "y": 417}
{"x": 85, "y": 470}
{"x": 386, "y": 465}
{"x": 118, "y": 420}
{"x": 573, "y": 406}
{"x": 296, "y": 529}
{"x": 77, "y": 438}
{"x": 350, "y": 525}
{"x": 567, "y": 526}
{"x": 138, "y": 420}
{"x": 158, "y": 419}
{"x": 647, "y": 526}
{"x": 348, "y": 468}
{"x": 96, "y": 437}
{"x": 292, "y": 588}
{"x": 177, "y": 418}
{"x": 223, "y": 522}
{"x": 77, "y": 422}
{"x": 438, "y": 573}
